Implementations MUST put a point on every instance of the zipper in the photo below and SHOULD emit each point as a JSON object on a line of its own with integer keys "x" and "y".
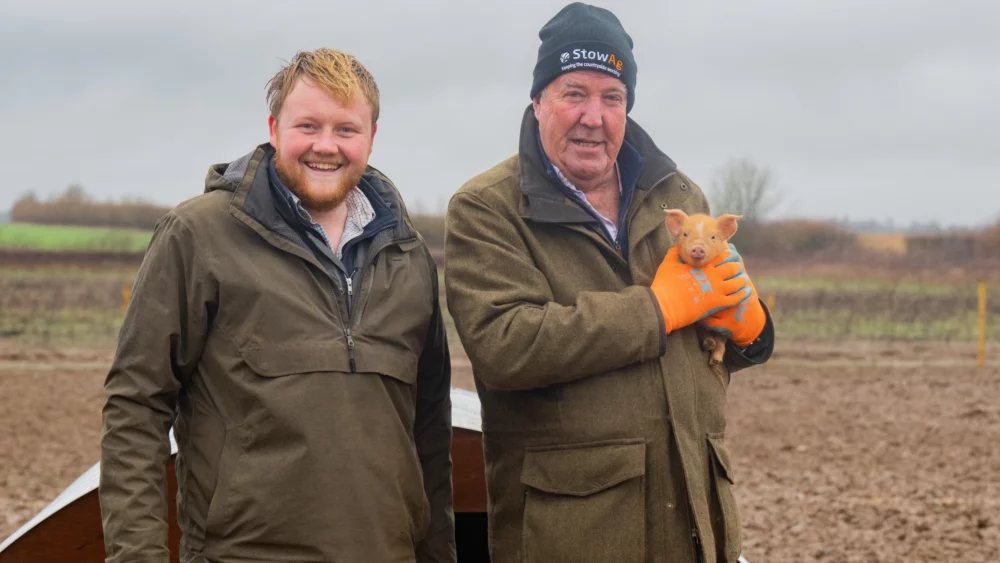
{"x": 347, "y": 326}
{"x": 340, "y": 313}
{"x": 349, "y": 283}
{"x": 350, "y": 349}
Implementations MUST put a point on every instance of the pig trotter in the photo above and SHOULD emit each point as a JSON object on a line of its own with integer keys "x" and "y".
{"x": 718, "y": 349}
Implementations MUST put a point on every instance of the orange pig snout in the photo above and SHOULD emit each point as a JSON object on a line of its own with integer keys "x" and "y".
{"x": 697, "y": 252}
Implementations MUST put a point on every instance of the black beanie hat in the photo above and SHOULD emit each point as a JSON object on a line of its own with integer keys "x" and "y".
{"x": 583, "y": 37}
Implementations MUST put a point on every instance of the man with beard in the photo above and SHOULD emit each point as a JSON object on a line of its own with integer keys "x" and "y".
{"x": 286, "y": 324}
{"x": 603, "y": 423}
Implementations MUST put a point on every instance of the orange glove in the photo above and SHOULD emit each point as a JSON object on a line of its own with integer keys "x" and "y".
{"x": 687, "y": 295}
{"x": 743, "y": 323}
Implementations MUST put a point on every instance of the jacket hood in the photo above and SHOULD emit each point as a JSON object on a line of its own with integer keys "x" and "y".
{"x": 228, "y": 175}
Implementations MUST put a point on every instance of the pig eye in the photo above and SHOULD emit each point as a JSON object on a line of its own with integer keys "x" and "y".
{"x": 685, "y": 235}
{"x": 713, "y": 237}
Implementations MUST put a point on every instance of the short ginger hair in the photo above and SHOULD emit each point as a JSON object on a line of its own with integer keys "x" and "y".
{"x": 340, "y": 75}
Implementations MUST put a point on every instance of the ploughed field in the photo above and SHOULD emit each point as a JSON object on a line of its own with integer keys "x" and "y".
{"x": 857, "y": 444}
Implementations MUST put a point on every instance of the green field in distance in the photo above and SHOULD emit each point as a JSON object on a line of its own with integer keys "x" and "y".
{"x": 23, "y": 236}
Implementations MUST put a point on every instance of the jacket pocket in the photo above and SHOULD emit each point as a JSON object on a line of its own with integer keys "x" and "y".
{"x": 399, "y": 365}
{"x": 218, "y": 515}
{"x": 726, "y": 522}
{"x": 585, "y": 502}
{"x": 290, "y": 360}
{"x": 331, "y": 358}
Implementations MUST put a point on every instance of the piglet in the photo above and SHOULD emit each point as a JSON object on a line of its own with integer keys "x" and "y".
{"x": 700, "y": 238}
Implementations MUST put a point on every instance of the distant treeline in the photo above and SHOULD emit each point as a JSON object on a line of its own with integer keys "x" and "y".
{"x": 957, "y": 247}
{"x": 75, "y": 207}
{"x": 431, "y": 228}
{"x": 788, "y": 238}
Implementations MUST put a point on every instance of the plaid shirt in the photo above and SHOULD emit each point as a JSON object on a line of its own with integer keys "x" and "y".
{"x": 608, "y": 224}
{"x": 359, "y": 213}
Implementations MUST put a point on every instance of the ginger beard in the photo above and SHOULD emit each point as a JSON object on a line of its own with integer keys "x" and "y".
{"x": 319, "y": 190}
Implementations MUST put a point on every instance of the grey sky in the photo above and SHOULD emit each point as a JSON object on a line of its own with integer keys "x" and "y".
{"x": 868, "y": 109}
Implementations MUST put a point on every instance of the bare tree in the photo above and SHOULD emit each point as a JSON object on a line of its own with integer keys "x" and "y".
{"x": 745, "y": 188}
{"x": 74, "y": 193}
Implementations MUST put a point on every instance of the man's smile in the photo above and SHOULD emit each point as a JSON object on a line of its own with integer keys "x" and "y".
{"x": 324, "y": 166}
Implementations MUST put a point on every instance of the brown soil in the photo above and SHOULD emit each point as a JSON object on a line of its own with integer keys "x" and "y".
{"x": 63, "y": 289}
{"x": 867, "y": 464}
{"x": 50, "y": 426}
{"x": 833, "y": 463}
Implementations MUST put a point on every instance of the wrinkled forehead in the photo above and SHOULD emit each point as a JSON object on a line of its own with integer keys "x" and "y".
{"x": 588, "y": 80}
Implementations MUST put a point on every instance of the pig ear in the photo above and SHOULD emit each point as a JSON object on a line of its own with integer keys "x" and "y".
{"x": 727, "y": 225}
{"x": 675, "y": 221}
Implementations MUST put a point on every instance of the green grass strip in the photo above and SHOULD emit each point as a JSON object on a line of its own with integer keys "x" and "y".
{"x": 23, "y": 236}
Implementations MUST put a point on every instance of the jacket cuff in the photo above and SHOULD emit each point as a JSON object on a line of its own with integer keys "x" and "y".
{"x": 757, "y": 352}
{"x": 661, "y": 324}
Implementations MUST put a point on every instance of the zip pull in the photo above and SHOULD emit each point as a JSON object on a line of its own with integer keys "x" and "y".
{"x": 350, "y": 287}
{"x": 350, "y": 349}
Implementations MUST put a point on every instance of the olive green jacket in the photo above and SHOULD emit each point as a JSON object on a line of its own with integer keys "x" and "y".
{"x": 312, "y": 423}
{"x": 604, "y": 437}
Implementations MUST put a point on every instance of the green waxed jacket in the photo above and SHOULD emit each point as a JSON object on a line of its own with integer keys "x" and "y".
{"x": 312, "y": 417}
{"x": 604, "y": 437}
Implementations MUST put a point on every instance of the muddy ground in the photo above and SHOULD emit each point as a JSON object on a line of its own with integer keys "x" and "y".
{"x": 836, "y": 459}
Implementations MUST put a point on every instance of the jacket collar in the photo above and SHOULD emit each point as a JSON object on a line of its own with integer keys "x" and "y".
{"x": 546, "y": 201}
{"x": 291, "y": 210}
{"x": 254, "y": 199}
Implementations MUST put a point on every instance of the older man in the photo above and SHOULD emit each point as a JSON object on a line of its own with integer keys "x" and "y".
{"x": 286, "y": 324}
{"x": 603, "y": 422}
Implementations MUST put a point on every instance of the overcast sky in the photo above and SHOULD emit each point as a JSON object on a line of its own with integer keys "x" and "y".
{"x": 868, "y": 109}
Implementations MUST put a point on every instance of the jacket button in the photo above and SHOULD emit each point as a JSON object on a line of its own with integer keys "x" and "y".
{"x": 684, "y": 187}
{"x": 663, "y": 206}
